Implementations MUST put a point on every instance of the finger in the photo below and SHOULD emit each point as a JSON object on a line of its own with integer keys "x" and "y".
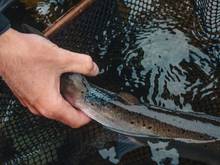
{"x": 70, "y": 116}
{"x": 78, "y": 63}
{"x": 66, "y": 114}
{"x": 41, "y": 39}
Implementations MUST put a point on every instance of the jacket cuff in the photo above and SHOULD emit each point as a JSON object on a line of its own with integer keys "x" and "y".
{"x": 4, "y": 24}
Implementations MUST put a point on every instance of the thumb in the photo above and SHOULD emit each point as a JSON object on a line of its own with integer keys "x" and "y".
{"x": 78, "y": 63}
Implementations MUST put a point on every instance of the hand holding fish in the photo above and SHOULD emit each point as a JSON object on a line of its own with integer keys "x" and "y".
{"x": 31, "y": 66}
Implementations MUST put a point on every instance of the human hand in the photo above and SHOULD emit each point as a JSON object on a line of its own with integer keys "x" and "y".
{"x": 31, "y": 66}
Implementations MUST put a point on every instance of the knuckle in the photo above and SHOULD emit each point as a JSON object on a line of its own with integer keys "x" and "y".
{"x": 58, "y": 55}
{"x": 53, "y": 46}
{"x": 76, "y": 125}
{"x": 47, "y": 113}
{"x": 34, "y": 112}
{"x": 64, "y": 58}
{"x": 45, "y": 109}
{"x": 31, "y": 110}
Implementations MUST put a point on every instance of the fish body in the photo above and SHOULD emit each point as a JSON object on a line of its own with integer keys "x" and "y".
{"x": 139, "y": 120}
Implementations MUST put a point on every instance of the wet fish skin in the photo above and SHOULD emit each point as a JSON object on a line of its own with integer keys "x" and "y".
{"x": 124, "y": 117}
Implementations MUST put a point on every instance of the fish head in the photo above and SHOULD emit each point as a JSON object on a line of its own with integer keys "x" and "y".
{"x": 74, "y": 87}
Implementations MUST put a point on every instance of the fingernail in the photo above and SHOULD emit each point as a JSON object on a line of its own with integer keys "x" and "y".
{"x": 96, "y": 68}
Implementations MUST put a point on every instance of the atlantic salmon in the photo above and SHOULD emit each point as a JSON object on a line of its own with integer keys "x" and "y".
{"x": 138, "y": 120}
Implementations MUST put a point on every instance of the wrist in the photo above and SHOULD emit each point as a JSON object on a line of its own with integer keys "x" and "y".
{"x": 6, "y": 39}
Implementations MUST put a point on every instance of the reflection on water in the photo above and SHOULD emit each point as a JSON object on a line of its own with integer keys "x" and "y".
{"x": 160, "y": 55}
{"x": 38, "y": 13}
{"x": 47, "y": 11}
{"x": 160, "y": 153}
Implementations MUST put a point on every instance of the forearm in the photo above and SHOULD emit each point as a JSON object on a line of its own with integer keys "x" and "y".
{"x": 8, "y": 39}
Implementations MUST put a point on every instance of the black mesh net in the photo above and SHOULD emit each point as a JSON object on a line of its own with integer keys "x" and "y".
{"x": 107, "y": 32}
{"x": 209, "y": 17}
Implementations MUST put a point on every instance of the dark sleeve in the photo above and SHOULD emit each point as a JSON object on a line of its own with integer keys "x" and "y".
{"x": 4, "y": 4}
{"x": 4, "y": 24}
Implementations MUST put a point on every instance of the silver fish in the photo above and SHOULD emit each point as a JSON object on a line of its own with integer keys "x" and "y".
{"x": 120, "y": 115}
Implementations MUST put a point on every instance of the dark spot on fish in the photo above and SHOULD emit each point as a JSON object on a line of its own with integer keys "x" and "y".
{"x": 144, "y": 125}
{"x": 132, "y": 122}
{"x": 114, "y": 106}
{"x": 82, "y": 92}
{"x": 149, "y": 127}
{"x": 168, "y": 130}
{"x": 200, "y": 136}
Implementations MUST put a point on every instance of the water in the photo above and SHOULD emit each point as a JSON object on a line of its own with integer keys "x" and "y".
{"x": 158, "y": 58}
{"x": 38, "y": 13}
{"x": 161, "y": 63}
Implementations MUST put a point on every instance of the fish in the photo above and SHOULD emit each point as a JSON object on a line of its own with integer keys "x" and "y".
{"x": 137, "y": 120}
{"x": 93, "y": 138}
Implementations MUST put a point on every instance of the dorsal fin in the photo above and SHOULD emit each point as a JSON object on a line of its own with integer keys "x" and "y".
{"x": 129, "y": 98}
